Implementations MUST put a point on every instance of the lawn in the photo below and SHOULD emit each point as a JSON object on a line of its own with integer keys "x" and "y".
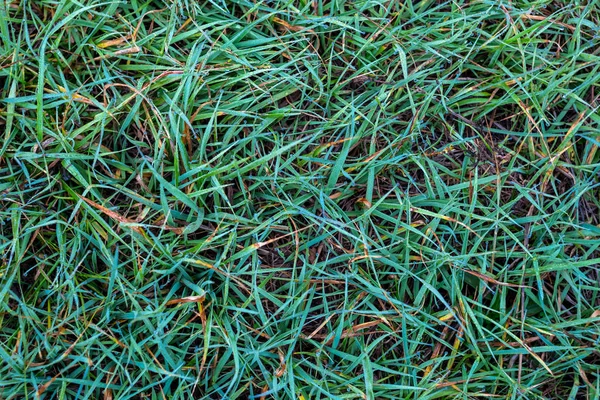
{"x": 302, "y": 199}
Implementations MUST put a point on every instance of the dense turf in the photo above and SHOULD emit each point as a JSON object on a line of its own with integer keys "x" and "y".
{"x": 299, "y": 200}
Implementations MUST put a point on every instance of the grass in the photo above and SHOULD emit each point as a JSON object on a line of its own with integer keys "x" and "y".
{"x": 299, "y": 200}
